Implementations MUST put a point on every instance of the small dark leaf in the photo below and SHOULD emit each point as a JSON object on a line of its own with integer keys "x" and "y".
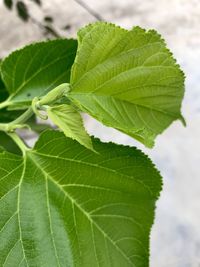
{"x": 48, "y": 19}
{"x": 67, "y": 27}
{"x": 8, "y": 3}
{"x": 38, "y": 2}
{"x": 22, "y": 11}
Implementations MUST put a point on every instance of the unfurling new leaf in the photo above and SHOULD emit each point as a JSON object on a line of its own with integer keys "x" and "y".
{"x": 69, "y": 120}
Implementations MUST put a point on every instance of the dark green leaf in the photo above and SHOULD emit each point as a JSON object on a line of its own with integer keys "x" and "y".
{"x": 5, "y": 115}
{"x": 67, "y": 27}
{"x": 36, "y": 69}
{"x": 8, "y": 3}
{"x": 48, "y": 19}
{"x": 22, "y": 11}
{"x": 63, "y": 205}
{"x": 3, "y": 93}
{"x": 7, "y": 143}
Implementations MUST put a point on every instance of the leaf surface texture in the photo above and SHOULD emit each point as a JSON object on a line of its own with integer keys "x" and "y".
{"x": 64, "y": 205}
{"x": 127, "y": 80}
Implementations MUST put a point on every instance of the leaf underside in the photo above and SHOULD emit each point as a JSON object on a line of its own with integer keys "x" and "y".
{"x": 127, "y": 80}
{"x": 64, "y": 205}
{"x": 36, "y": 69}
{"x": 69, "y": 120}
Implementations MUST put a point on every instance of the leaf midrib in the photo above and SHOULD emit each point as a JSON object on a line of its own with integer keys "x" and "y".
{"x": 18, "y": 209}
{"x": 80, "y": 208}
{"x": 125, "y": 101}
{"x": 111, "y": 58}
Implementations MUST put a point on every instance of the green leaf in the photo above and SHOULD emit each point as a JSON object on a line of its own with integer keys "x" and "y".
{"x": 22, "y": 11}
{"x": 3, "y": 92}
{"x": 69, "y": 120}
{"x": 36, "y": 69}
{"x": 7, "y": 144}
{"x": 5, "y": 115}
{"x": 64, "y": 205}
{"x": 127, "y": 80}
{"x": 8, "y": 3}
{"x": 48, "y": 19}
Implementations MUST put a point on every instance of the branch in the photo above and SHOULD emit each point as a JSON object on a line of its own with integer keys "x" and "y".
{"x": 89, "y": 10}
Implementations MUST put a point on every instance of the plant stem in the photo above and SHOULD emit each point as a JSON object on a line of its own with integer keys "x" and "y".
{"x": 6, "y": 127}
{"x": 19, "y": 142}
{"x": 90, "y": 10}
{"x": 24, "y": 117}
{"x": 5, "y": 104}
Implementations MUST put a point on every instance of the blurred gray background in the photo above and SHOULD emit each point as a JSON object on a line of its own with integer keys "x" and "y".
{"x": 175, "y": 239}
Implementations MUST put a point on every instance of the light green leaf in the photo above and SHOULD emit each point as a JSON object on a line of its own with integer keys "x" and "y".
{"x": 127, "y": 80}
{"x": 63, "y": 205}
{"x": 36, "y": 69}
{"x": 69, "y": 120}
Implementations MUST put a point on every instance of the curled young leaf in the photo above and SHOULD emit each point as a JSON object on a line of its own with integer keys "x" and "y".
{"x": 128, "y": 80}
{"x": 69, "y": 120}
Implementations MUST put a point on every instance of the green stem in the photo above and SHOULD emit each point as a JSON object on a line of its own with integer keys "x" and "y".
{"x": 5, "y": 104}
{"x": 6, "y": 127}
{"x": 24, "y": 117}
{"x": 19, "y": 142}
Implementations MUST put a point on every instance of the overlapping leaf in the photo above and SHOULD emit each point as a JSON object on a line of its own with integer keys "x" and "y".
{"x": 5, "y": 116}
{"x": 64, "y": 205}
{"x": 127, "y": 80}
{"x": 36, "y": 69}
{"x": 69, "y": 120}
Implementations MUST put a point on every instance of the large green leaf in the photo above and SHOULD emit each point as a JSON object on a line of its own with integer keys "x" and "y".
{"x": 36, "y": 69}
{"x": 127, "y": 80}
{"x": 69, "y": 120}
{"x": 64, "y": 205}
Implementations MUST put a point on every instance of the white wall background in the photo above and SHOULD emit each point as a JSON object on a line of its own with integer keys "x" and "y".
{"x": 175, "y": 240}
